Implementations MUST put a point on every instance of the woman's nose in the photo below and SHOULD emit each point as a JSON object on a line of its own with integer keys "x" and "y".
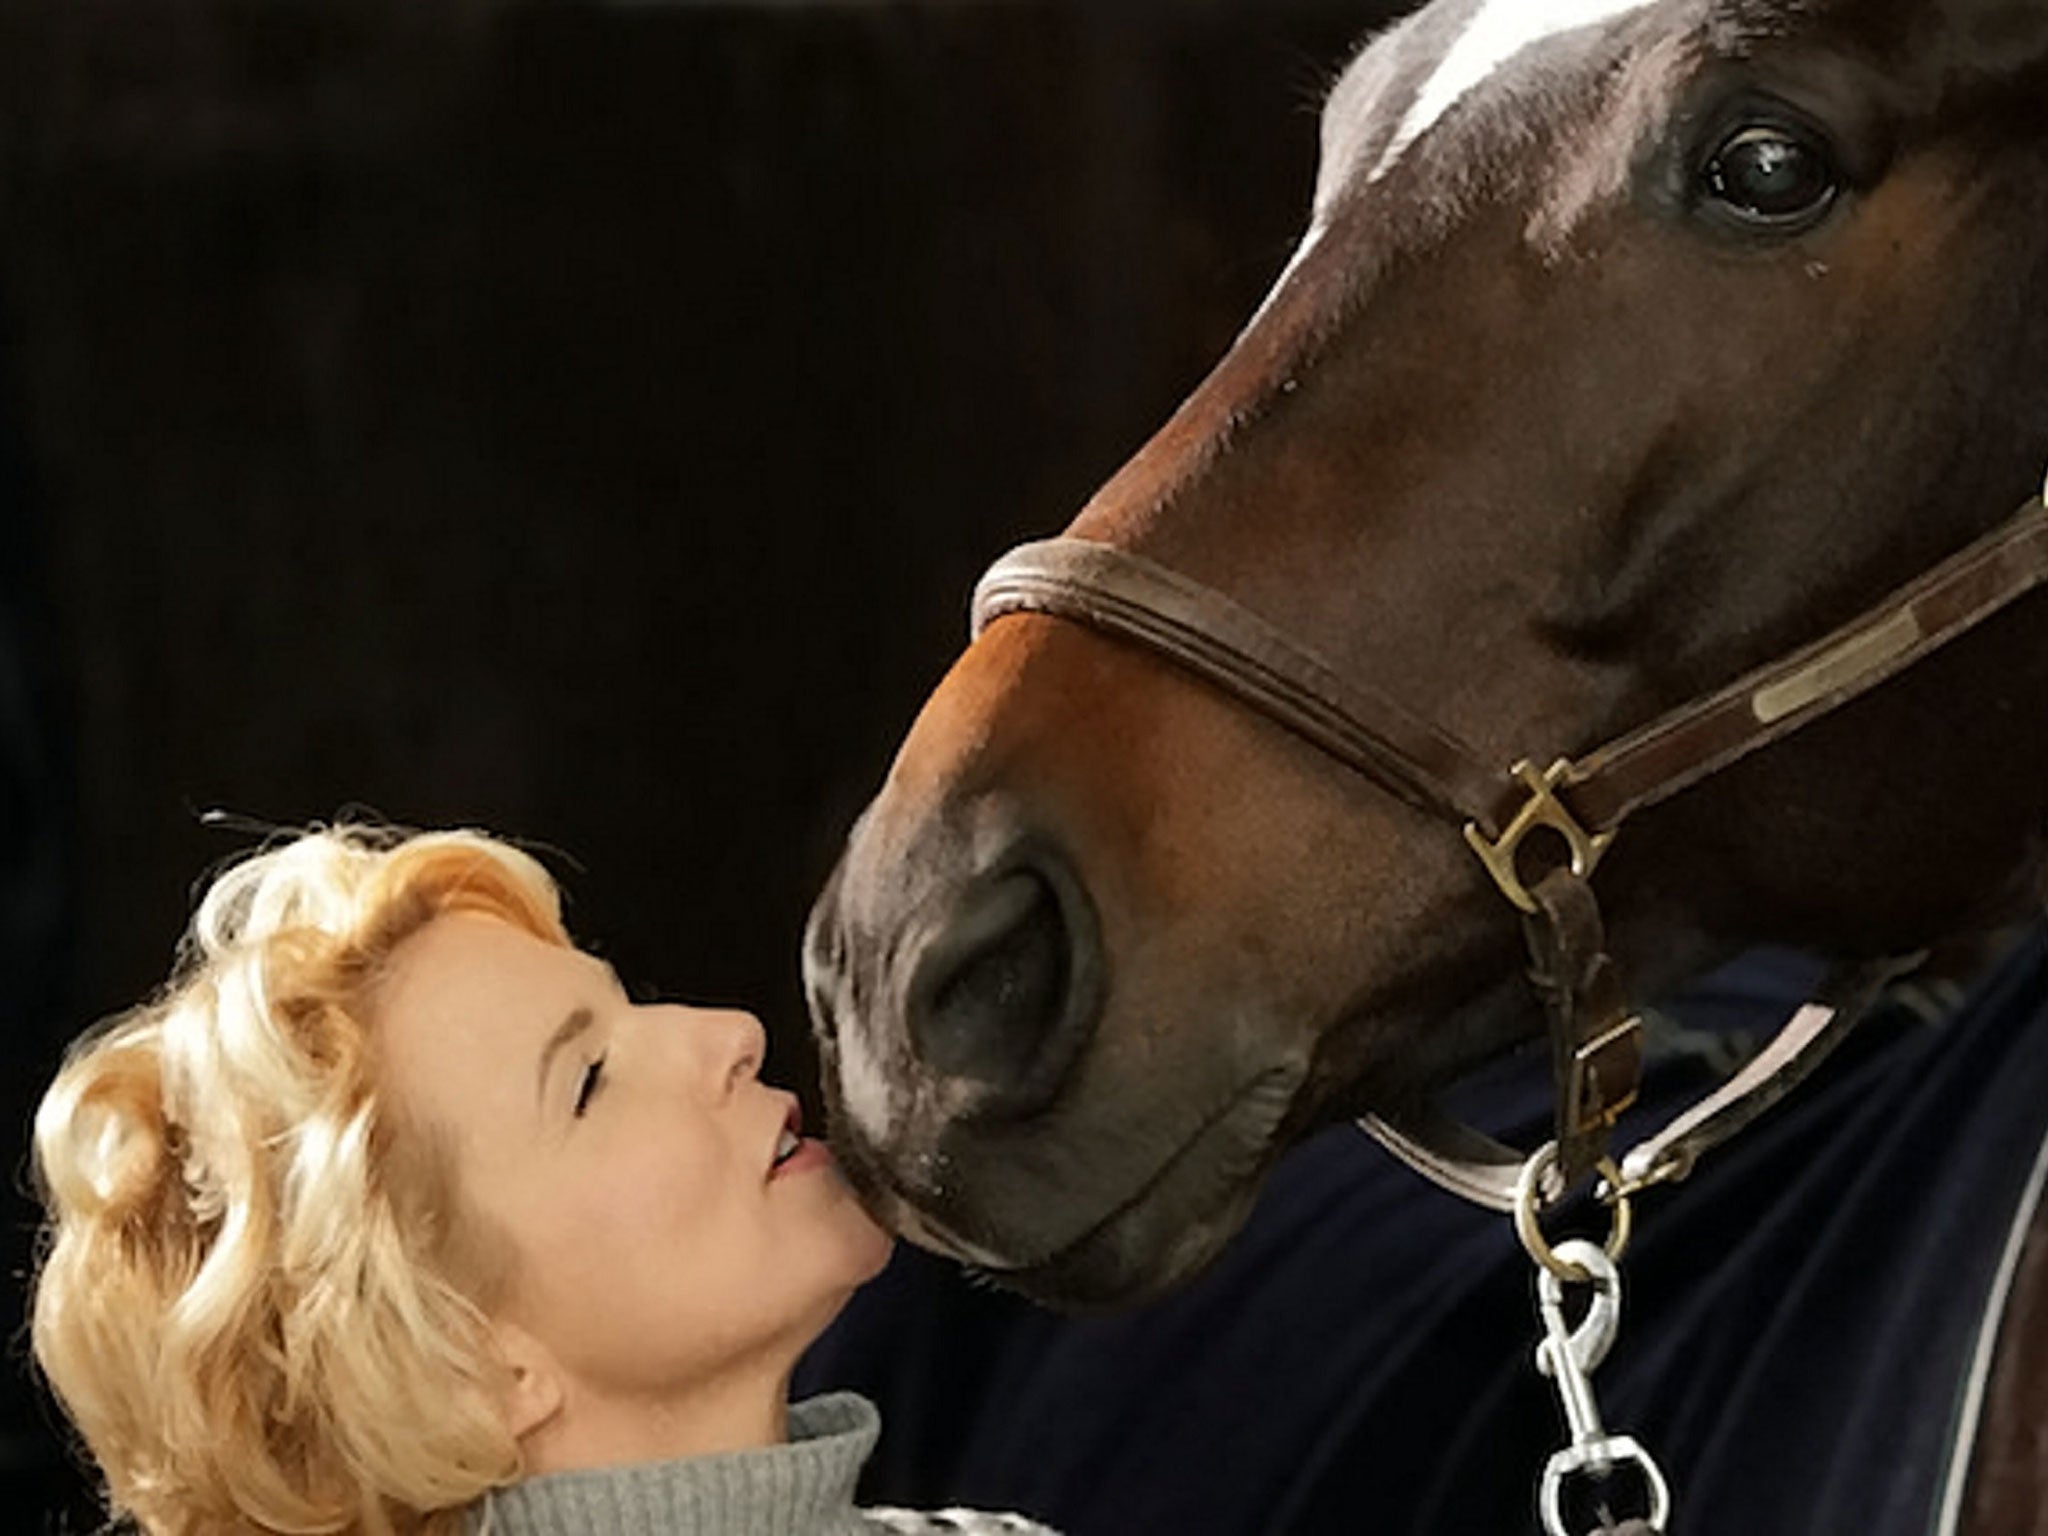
{"x": 737, "y": 1045}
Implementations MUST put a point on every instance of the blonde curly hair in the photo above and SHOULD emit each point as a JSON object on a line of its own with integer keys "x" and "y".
{"x": 260, "y": 1301}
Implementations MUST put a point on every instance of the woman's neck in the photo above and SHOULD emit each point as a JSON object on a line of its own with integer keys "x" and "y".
{"x": 737, "y": 1412}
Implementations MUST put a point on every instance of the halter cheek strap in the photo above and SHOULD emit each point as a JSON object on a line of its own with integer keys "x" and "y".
{"x": 1596, "y": 1037}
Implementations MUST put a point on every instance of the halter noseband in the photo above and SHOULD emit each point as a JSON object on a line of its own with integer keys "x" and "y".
{"x": 1596, "y": 1037}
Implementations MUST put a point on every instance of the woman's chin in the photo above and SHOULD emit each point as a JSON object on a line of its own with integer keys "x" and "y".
{"x": 872, "y": 1243}
{"x": 863, "y": 1245}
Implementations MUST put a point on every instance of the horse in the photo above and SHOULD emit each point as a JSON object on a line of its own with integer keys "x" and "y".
{"x": 1632, "y": 346}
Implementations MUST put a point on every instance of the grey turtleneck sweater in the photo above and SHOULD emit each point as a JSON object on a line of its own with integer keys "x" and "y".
{"x": 802, "y": 1488}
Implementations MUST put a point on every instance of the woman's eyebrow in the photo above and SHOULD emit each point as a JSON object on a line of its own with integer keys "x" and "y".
{"x": 576, "y": 1023}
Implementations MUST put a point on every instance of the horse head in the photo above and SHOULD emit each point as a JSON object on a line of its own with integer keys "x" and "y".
{"x": 1630, "y": 345}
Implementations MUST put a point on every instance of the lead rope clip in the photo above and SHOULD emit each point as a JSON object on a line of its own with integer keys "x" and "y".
{"x": 1569, "y": 1356}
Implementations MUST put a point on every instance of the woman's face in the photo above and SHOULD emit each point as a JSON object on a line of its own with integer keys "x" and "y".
{"x": 627, "y": 1154}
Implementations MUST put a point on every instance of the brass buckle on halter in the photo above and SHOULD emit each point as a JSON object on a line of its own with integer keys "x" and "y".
{"x": 1605, "y": 1077}
{"x": 1543, "y": 809}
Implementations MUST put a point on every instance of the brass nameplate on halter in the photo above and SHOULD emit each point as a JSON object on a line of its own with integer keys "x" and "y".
{"x": 1842, "y": 667}
{"x": 1543, "y": 810}
{"x": 1606, "y": 1075}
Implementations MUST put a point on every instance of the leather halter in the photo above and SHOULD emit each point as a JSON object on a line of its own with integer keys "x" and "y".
{"x": 1596, "y": 1038}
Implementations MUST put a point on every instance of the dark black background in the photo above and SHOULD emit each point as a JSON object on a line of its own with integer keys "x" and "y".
{"x": 583, "y": 422}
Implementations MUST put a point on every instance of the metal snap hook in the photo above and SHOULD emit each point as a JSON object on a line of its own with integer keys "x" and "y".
{"x": 1586, "y": 1345}
{"x": 1569, "y": 1356}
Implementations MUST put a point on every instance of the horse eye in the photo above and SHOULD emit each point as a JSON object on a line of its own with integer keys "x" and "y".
{"x": 1771, "y": 178}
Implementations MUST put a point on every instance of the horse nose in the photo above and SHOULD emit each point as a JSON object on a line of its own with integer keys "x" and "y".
{"x": 1006, "y": 990}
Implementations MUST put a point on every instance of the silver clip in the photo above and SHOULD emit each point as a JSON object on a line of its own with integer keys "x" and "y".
{"x": 1569, "y": 1356}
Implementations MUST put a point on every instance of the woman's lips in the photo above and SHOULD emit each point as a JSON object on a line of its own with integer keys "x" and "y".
{"x": 810, "y": 1154}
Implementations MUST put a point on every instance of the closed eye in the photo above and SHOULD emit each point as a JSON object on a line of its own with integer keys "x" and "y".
{"x": 587, "y": 1087}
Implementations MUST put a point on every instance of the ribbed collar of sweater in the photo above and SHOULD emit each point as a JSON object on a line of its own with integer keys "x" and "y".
{"x": 801, "y": 1488}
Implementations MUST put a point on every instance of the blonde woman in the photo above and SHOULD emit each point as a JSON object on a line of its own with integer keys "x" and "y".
{"x": 394, "y": 1214}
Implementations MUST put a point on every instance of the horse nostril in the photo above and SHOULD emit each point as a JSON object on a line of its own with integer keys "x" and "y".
{"x": 997, "y": 988}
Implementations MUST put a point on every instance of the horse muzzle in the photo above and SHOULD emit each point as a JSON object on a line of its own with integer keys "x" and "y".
{"x": 975, "y": 988}
{"x": 980, "y": 1101}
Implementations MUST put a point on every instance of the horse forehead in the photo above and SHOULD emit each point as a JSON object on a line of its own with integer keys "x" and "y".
{"x": 1497, "y": 33}
{"x": 1403, "y": 84}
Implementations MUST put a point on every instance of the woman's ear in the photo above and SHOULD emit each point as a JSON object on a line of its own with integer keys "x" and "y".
{"x": 532, "y": 1390}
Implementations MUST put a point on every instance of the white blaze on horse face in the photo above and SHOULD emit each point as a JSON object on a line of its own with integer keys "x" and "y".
{"x": 1494, "y": 34}
{"x": 1497, "y": 32}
